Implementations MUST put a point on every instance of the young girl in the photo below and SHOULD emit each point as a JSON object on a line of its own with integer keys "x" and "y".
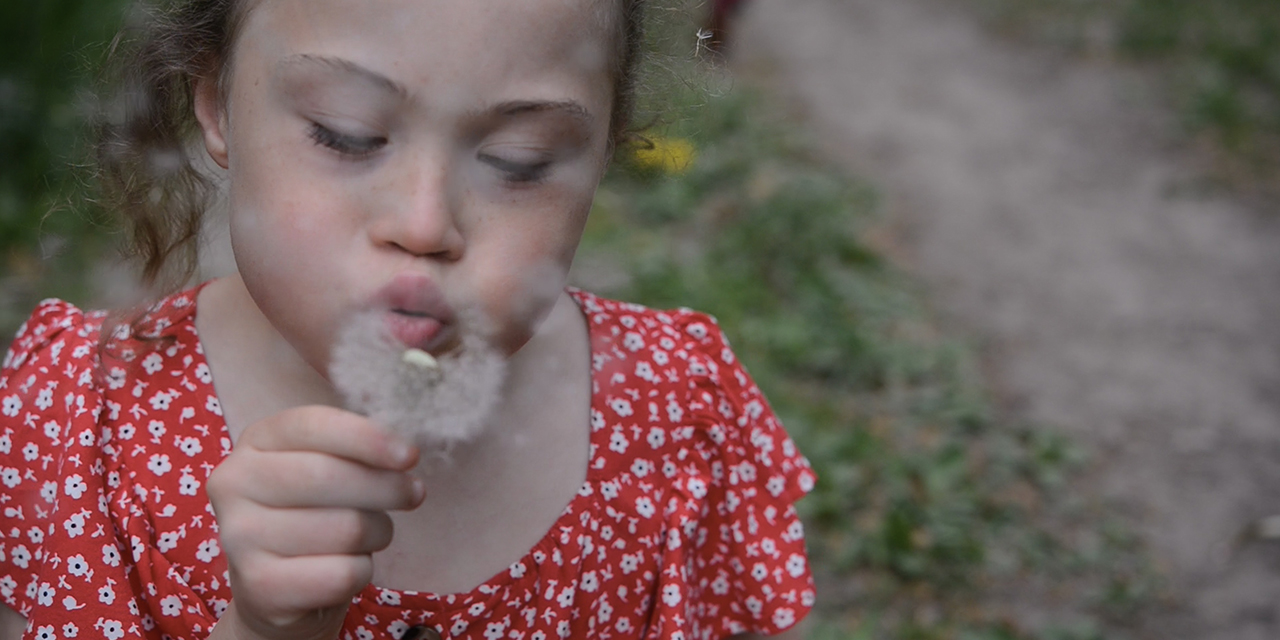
{"x": 192, "y": 473}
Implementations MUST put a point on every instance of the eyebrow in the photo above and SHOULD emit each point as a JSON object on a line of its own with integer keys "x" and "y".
{"x": 519, "y": 107}
{"x": 347, "y": 67}
{"x": 510, "y": 108}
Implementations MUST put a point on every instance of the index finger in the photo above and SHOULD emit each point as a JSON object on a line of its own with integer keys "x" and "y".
{"x": 335, "y": 432}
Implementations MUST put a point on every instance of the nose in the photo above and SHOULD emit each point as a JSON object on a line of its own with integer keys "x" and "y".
{"x": 418, "y": 212}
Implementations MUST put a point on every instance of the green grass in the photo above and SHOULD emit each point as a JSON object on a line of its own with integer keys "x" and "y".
{"x": 1221, "y": 59}
{"x": 927, "y": 507}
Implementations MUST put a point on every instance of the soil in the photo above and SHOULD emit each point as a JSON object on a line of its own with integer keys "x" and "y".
{"x": 1055, "y": 217}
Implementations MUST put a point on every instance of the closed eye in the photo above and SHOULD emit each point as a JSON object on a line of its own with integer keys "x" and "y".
{"x": 518, "y": 172}
{"x": 351, "y": 147}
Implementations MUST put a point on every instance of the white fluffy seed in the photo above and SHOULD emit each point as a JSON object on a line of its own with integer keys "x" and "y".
{"x": 420, "y": 359}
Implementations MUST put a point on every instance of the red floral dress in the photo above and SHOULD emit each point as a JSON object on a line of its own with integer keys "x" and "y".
{"x": 684, "y": 527}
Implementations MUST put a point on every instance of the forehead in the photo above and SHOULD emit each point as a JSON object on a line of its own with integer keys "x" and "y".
{"x": 442, "y": 48}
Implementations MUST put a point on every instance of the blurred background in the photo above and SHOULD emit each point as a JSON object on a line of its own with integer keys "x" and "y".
{"x": 1006, "y": 268}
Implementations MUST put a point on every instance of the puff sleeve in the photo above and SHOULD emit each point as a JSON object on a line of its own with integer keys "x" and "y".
{"x": 743, "y": 567}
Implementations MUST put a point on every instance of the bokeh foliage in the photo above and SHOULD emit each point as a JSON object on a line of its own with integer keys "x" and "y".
{"x": 48, "y": 52}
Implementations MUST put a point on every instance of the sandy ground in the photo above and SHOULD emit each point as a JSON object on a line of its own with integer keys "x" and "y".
{"x": 1052, "y": 217}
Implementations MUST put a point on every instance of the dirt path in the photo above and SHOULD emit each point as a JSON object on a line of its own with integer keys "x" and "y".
{"x": 1046, "y": 209}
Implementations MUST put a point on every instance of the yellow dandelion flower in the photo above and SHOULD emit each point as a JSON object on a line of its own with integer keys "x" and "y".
{"x": 669, "y": 155}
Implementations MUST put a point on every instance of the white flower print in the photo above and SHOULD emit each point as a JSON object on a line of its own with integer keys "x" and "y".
{"x": 597, "y": 420}
{"x": 152, "y": 363}
{"x": 160, "y": 401}
{"x": 126, "y": 431}
{"x": 116, "y": 378}
{"x": 11, "y": 477}
{"x": 188, "y": 485}
{"x": 203, "y": 374}
{"x": 44, "y": 399}
{"x": 76, "y": 565}
{"x": 386, "y": 597}
{"x": 795, "y": 565}
{"x": 759, "y": 571}
{"x": 70, "y": 630}
{"x": 697, "y": 330}
{"x": 784, "y": 617}
{"x": 675, "y": 412}
{"x": 609, "y": 490}
{"x": 644, "y": 507}
{"x": 11, "y": 405}
{"x": 52, "y": 430}
{"x": 213, "y": 406}
{"x": 565, "y": 599}
{"x": 74, "y": 525}
{"x": 208, "y": 550}
{"x": 769, "y": 547}
{"x": 669, "y": 468}
{"x": 46, "y": 633}
{"x": 754, "y": 605}
{"x": 167, "y": 541}
{"x": 776, "y": 485}
{"x": 603, "y": 611}
{"x": 633, "y": 341}
{"x": 46, "y": 594}
{"x": 494, "y": 630}
{"x": 459, "y": 627}
{"x": 171, "y": 606}
{"x": 589, "y": 582}
{"x": 660, "y": 358}
{"x": 156, "y": 429}
{"x": 49, "y": 491}
{"x": 517, "y": 570}
{"x": 644, "y": 371}
{"x": 7, "y": 585}
{"x": 159, "y": 464}
{"x": 190, "y": 446}
{"x": 35, "y": 535}
{"x": 805, "y": 481}
{"x": 111, "y": 629}
{"x": 720, "y": 586}
{"x": 618, "y": 442}
{"x": 657, "y": 437}
{"x": 87, "y": 439}
{"x": 29, "y": 451}
{"x": 110, "y": 555}
{"x": 623, "y": 625}
{"x": 75, "y": 486}
{"x": 697, "y": 488}
{"x": 640, "y": 468}
{"x": 106, "y": 595}
{"x": 363, "y": 634}
{"x": 621, "y": 406}
{"x": 630, "y": 562}
{"x": 562, "y": 629}
{"x": 671, "y": 595}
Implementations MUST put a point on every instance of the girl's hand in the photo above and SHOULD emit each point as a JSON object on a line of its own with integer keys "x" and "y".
{"x": 301, "y": 507}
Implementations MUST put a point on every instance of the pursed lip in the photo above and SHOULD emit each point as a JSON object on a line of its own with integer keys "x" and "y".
{"x": 415, "y": 312}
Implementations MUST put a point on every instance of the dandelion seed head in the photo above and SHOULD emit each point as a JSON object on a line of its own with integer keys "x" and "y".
{"x": 436, "y": 407}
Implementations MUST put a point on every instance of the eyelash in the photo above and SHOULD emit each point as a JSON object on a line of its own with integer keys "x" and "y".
{"x": 357, "y": 148}
{"x": 518, "y": 172}
{"x": 352, "y": 147}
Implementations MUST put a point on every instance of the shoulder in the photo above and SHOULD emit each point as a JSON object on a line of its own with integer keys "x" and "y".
{"x": 56, "y": 346}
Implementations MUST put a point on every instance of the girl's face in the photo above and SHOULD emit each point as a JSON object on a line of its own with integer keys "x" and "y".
{"x": 416, "y": 158}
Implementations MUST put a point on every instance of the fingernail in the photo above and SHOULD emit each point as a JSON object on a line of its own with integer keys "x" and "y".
{"x": 419, "y": 490}
{"x": 400, "y": 450}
